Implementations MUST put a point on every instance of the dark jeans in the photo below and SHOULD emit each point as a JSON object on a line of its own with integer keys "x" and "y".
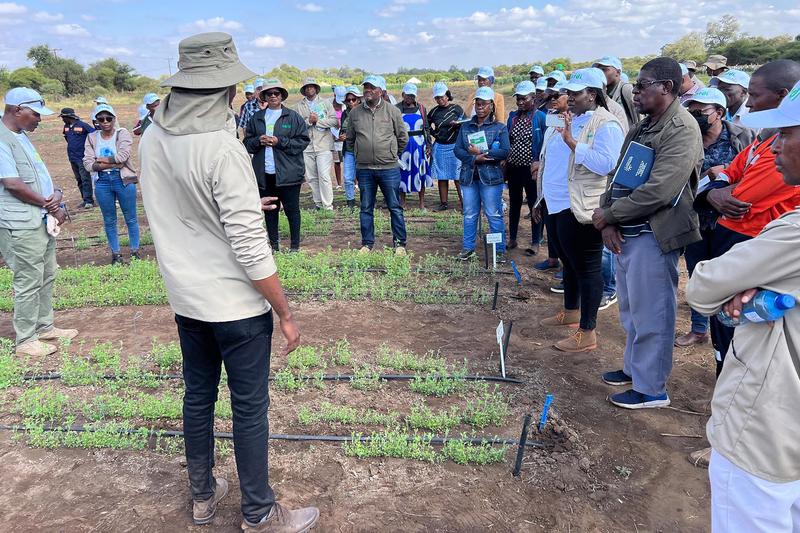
{"x": 84, "y": 180}
{"x": 580, "y": 247}
{"x": 389, "y": 182}
{"x": 109, "y": 190}
{"x": 289, "y": 198}
{"x": 244, "y": 347}
{"x": 519, "y": 179}
{"x": 722, "y": 240}
{"x": 547, "y": 222}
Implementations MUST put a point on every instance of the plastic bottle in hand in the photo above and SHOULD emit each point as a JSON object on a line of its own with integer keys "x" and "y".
{"x": 765, "y": 306}
{"x": 496, "y": 145}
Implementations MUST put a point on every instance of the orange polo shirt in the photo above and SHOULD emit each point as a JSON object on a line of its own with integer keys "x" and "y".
{"x": 758, "y": 182}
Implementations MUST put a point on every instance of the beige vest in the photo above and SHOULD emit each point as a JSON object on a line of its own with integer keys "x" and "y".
{"x": 14, "y": 213}
{"x": 585, "y": 187}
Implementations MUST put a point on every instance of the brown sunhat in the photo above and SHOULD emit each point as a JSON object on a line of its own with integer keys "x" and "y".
{"x": 275, "y": 83}
{"x": 716, "y": 61}
{"x": 310, "y": 81}
{"x": 690, "y": 65}
{"x": 208, "y": 61}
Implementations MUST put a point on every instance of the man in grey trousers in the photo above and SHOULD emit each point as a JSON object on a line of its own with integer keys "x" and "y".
{"x": 647, "y": 227}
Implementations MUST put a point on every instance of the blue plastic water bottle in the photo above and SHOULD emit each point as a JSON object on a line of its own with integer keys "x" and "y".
{"x": 496, "y": 145}
{"x": 765, "y": 306}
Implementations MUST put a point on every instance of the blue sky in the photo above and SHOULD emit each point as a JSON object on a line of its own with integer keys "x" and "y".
{"x": 379, "y": 36}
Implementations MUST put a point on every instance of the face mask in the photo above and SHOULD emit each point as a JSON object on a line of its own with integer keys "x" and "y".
{"x": 702, "y": 121}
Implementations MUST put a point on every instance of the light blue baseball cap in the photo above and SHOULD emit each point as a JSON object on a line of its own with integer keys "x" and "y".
{"x": 375, "y": 81}
{"x": 25, "y": 97}
{"x": 609, "y": 61}
{"x": 786, "y": 115}
{"x": 100, "y": 100}
{"x": 624, "y": 77}
{"x": 259, "y": 82}
{"x": 486, "y": 73}
{"x": 557, "y": 87}
{"x": 541, "y": 84}
{"x": 538, "y": 69}
{"x": 439, "y": 89}
{"x": 354, "y": 90}
{"x": 557, "y": 75}
{"x": 410, "y": 88}
{"x": 734, "y": 77}
{"x": 339, "y": 93}
{"x": 103, "y": 108}
{"x": 484, "y": 93}
{"x": 584, "y": 78}
{"x": 151, "y": 98}
{"x": 684, "y": 69}
{"x": 250, "y": 88}
{"x": 524, "y": 88}
{"x": 708, "y": 95}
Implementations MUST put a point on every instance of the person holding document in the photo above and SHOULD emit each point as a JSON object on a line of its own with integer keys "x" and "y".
{"x": 646, "y": 225}
{"x": 573, "y": 167}
{"x": 482, "y": 144}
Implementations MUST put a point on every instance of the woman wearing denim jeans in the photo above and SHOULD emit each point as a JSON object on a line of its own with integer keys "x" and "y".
{"x": 481, "y": 176}
{"x": 352, "y": 98}
{"x": 107, "y": 156}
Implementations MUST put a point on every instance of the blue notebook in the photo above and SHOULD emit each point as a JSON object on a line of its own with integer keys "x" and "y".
{"x": 635, "y": 166}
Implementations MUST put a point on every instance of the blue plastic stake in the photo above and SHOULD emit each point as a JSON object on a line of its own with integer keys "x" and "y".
{"x": 543, "y": 420}
{"x": 516, "y": 273}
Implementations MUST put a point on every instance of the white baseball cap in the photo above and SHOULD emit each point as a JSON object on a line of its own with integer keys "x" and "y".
{"x": 484, "y": 93}
{"x": 151, "y": 98}
{"x": 541, "y": 84}
{"x": 524, "y": 88}
{"x": 609, "y": 61}
{"x": 708, "y": 95}
{"x": 410, "y": 89}
{"x": 25, "y": 97}
{"x": 786, "y": 115}
{"x": 439, "y": 89}
{"x": 584, "y": 78}
{"x": 103, "y": 108}
{"x": 734, "y": 77}
{"x": 538, "y": 69}
{"x": 100, "y": 100}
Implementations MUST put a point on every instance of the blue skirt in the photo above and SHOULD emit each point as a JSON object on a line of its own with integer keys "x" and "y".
{"x": 445, "y": 166}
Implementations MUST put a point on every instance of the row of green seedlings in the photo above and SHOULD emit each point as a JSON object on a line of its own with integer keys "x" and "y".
{"x": 306, "y": 367}
{"x": 344, "y": 275}
{"x": 84, "y": 242}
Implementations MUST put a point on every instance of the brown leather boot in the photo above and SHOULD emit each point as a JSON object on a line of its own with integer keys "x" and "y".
{"x": 582, "y": 340}
{"x": 690, "y": 339}
{"x": 203, "y": 512}
{"x": 563, "y": 318}
{"x": 283, "y": 520}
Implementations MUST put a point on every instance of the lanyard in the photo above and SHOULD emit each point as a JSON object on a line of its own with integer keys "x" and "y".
{"x": 752, "y": 156}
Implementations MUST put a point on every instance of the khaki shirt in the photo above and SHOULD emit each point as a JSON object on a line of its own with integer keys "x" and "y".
{"x": 320, "y": 133}
{"x": 202, "y": 203}
{"x": 754, "y": 421}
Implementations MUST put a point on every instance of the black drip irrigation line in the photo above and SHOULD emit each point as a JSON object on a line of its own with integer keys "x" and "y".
{"x": 324, "y": 377}
{"x": 284, "y": 437}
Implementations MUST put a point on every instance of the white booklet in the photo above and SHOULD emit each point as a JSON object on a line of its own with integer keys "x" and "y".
{"x": 479, "y": 139}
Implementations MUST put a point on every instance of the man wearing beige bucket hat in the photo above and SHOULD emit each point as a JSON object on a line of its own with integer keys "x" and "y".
{"x": 205, "y": 216}
{"x": 320, "y": 117}
{"x": 716, "y": 64}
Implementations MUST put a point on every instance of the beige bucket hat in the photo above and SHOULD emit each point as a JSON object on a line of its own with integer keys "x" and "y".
{"x": 275, "y": 83}
{"x": 310, "y": 81}
{"x": 716, "y": 61}
{"x": 208, "y": 61}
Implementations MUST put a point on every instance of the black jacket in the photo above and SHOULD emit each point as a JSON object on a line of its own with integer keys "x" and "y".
{"x": 291, "y": 129}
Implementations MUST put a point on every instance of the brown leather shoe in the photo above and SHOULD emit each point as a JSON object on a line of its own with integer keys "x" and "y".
{"x": 563, "y": 318}
{"x": 283, "y": 520}
{"x": 35, "y": 349}
{"x": 54, "y": 333}
{"x": 203, "y": 512}
{"x": 700, "y": 458}
{"x": 690, "y": 339}
{"x": 580, "y": 341}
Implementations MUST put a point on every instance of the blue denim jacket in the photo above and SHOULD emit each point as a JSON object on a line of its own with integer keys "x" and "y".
{"x": 490, "y": 172}
{"x": 539, "y": 127}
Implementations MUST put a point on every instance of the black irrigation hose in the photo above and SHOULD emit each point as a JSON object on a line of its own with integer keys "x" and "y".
{"x": 279, "y": 436}
{"x": 325, "y": 377}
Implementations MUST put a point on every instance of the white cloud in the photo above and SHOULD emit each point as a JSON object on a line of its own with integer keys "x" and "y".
{"x": 116, "y": 51}
{"x": 425, "y": 37}
{"x": 9, "y": 8}
{"x": 216, "y": 23}
{"x": 397, "y": 6}
{"x": 309, "y": 7}
{"x": 88, "y": 18}
{"x": 269, "y": 41}
{"x": 44, "y": 16}
{"x": 70, "y": 30}
{"x": 382, "y": 37}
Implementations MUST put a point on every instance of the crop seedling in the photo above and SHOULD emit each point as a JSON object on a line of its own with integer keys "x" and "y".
{"x": 421, "y": 417}
{"x": 345, "y": 415}
{"x": 463, "y": 453}
{"x": 341, "y": 354}
{"x": 401, "y": 360}
{"x": 305, "y": 356}
{"x": 166, "y": 356}
{"x": 392, "y": 443}
{"x": 365, "y": 379}
{"x": 43, "y": 404}
{"x": 490, "y": 408}
{"x": 439, "y": 384}
{"x": 11, "y": 370}
{"x": 287, "y": 381}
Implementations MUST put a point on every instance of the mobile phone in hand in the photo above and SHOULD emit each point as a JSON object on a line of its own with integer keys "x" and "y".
{"x": 554, "y": 121}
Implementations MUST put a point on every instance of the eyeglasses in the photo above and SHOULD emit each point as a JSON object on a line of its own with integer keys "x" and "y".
{"x": 270, "y": 94}
{"x": 482, "y": 103}
{"x": 40, "y": 102}
{"x": 351, "y": 100}
{"x": 642, "y": 85}
{"x": 101, "y": 120}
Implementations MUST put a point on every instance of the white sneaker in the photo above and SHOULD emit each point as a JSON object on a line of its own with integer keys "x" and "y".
{"x": 400, "y": 251}
{"x": 36, "y": 349}
{"x": 57, "y": 333}
{"x": 364, "y": 250}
